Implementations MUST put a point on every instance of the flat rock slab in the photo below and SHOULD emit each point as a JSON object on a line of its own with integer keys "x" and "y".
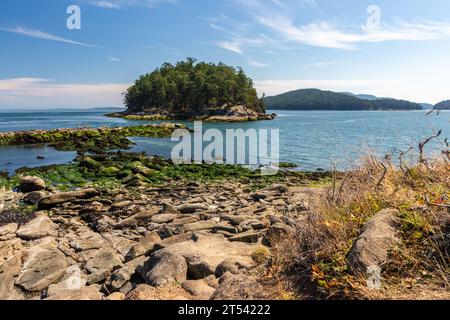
{"x": 37, "y": 228}
{"x": 43, "y": 266}
{"x": 63, "y": 197}
{"x": 102, "y": 265}
{"x": 83, "y": 294}
{"x": 7, "y": 232}
{"x": 371, "y": 248}
{"x": 204, "y": 252}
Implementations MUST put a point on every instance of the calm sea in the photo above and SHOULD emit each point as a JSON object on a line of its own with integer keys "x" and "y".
{"x": 311, "y": 139}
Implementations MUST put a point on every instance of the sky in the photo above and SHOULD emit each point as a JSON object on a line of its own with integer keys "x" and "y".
{"x": 388, "y": 48}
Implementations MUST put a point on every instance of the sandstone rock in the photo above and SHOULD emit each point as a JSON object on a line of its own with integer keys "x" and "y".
{"x": 225, "y": 226}
{"x": 236, "y": 220}
{"x": 192, "y": 207}
{"x": 200, "y": 225}
{"x": 168, "y": 208}
{"x": 167, "y": 242}
{"x": 185, "y": 220}
{"x": 121, "y": 276}
{"x": 34, "y": 197}
{"x": 116, "y": 296}
{"x": 233, "y": 265}
{"x": 271, "y": 191}
{"x": 9, "y": 248}
{"x": 204, "y": 252}
{"x": 239, "y": 287}
{"x": 248, "y": 236}
{"x": 72, "y": 281}
{"x": 377, "y": 237}
{"x": 40, "y": 227}
{"x": 83, "y": 294}
{"x": 139, "y": 219}
{"x": 164, "y": 268}
{"x": 144, "y": 246}
{"x": 146, "y": 292}
{"x": 63, "y": 197}
{"x": 30, "y": 183}
{"x": 9, "y": 270}
{"x": 7, "y": 232}
{"x": 198, "y": 288}
{"x": 164, "y": 218}
{"x": 102, "y": 265}
{"x": 43, "y": 266}
{"x": 85, "y": 240}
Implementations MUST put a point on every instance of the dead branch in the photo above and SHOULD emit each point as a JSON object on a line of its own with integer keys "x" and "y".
{"x": 383, "y": 176}
{"x": 423, "y": 144}
{"x": 400, "y": 158}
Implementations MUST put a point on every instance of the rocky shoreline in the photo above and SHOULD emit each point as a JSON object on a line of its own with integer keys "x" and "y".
{"x": 223, "y": 114}
{"x": 189, "y": 237}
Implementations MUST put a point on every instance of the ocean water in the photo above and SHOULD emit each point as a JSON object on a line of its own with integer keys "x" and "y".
{"x": 311, "y": 139}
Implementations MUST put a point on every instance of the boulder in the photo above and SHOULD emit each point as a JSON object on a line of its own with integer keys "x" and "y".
{"x": 30, "y": 183}
{"x": 72, "y": 281}
{"x": 371, "y": 249}
{"x": 199, "y": 289}
{"x": 40, "y": 227}
{"x": 116, "y": 296}
{"x": 44, "y": 265}
{"x": 164, "y": 268}
{"x": 34, "y": 197}
{"x": 146, "y": 292}
{"x": 239, "y": 287}
{"x": 233, "y": 265}
{"x": 102, "y": 265}
{"x": 204, "y": 252}
{"x": 59, "y": 198}
{"x": 121, "y": 276}
{"x": 192, "y": 207}
{"x": 144, "y": 246}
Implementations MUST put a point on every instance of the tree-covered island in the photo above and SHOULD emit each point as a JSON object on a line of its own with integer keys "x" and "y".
{"x": 194, "y": 90}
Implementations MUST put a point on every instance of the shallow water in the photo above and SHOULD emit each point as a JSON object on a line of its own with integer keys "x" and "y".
{"x": 311, "y": 139}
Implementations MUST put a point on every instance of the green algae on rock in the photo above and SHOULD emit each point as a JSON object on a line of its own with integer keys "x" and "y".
{"x": 88, "y": 139}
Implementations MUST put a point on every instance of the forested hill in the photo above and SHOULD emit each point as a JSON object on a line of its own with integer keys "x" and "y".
{"x": 315, "y": 99}
{"x": 191, "y": 87}
{"x": 444, "y": 105}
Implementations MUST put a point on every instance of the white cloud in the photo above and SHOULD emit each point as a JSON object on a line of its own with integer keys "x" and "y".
{"x": 278, "y": 18}
{"x": 258, "y": 64}
{"x": 44, "y": 36}
{"x": 118, "y": 4}
{"x": 113, "y": 59}
{"x": 323, "y": 64}
{"x": 38, "y": 92}
{"x": 234, "y": 46}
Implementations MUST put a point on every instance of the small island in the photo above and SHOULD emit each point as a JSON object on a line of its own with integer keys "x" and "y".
{"x": 191, "y": 90}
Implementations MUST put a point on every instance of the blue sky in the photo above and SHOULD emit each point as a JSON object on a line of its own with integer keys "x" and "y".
{"x": 283, "y": 45}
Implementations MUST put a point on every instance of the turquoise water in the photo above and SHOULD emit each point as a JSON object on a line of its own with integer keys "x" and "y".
{"x": 311, "y": 139}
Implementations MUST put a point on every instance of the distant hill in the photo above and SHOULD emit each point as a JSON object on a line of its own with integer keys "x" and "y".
{"x": 427, "y": 105}
{"x": 444, "y": 105}
{"x": 362, "y": 96}
{"x": 315, "y": 99}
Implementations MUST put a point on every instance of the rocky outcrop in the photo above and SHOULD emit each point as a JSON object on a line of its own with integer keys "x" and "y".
{"x": 29, "y": 184}
{"x": 163, "y": 268}
{"x": 371, "y": 249}
{"x": 64, "y": 197}
{"x": 39, "y": 227}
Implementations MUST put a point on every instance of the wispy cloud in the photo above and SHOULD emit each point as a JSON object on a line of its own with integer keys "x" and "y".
{"x": 113, "y": 59}
{"x": 323, "y": 64}
{"x": 38, "y": 92}
{"x": 38, "y": 34}
{"x": 118, "y": 4}
{"x": 278, "y": 19}
{"x": 258, "y": 64}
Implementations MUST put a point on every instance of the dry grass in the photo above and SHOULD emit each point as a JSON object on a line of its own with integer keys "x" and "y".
{"x": 312, "y": 263}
